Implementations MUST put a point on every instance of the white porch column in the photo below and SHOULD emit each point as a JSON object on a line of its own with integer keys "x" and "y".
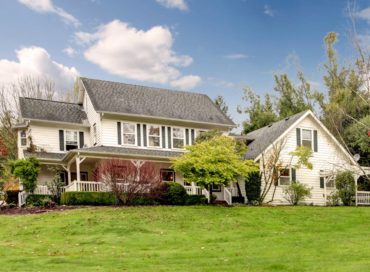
{"x": 69, "y": 173}
{"x": 78, "y": 168}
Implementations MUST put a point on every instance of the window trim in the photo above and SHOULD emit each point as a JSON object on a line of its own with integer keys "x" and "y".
{"x": 122, "y": 133}
{"x": 23, "y": 138}
{"x": 310, "y": 129}
{"x": 167, "y": 170}
{"x": 65, "y": 139}
{"x": 183, "y": 138}
{"x": 290, "y": 176}
{"x": 95, "y": 134}
{"x": 148, "y": 136}
{"x": 216, "y": 190}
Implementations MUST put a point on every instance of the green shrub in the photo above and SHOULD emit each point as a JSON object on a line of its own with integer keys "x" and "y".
{"x": 345, "y": 184}
{"x": 88, "y": 198}
{"x": 296, "y": 192}
{"x": 333, "y": 199}
{"x": 27, "y": 170}
{"x": 253, "y": 187}
{"x": 196, "y": 200}
{"x": 143, "y": 200}
{"x": 176, "y": 194}
{"x": 39, "y": 201}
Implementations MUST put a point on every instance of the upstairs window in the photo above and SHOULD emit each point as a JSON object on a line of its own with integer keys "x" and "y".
{"x": 284, "y": 178}
{"x": 129, "y": 134}
{"x": 307, "y": 138}
{"x": 154, "y": 136}
{"x": 178, "y": 136}
{"x": 71, "y": 139}
{"x": 167, "y": 175}
{"x": 23, "y": 138}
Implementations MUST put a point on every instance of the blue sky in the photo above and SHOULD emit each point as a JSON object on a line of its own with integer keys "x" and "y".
{"x": 211, "y": 46}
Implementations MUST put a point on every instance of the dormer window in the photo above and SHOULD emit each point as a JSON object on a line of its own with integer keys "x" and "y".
{"x": 71, "y": 139}
{"x": 154, "y": 136}
{"x": 23, "y": 138}
{"x": 129, "y": 134}
{"x": 307, "y": 138}
{"x": 178, "y": 137}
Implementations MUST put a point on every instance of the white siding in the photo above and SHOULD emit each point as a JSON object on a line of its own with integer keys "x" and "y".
{"x": 47, "y": 138}
{"x": 329, "y": 157}
{"x": 94, "y": 118}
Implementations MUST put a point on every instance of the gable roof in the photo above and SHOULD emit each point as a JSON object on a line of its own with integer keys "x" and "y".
{"x": 48, "y": 110}
{"x": 121, "y": 98}
{"x": 265, "y": 136}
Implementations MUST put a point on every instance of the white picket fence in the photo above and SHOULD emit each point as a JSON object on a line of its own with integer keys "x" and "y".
{"x": 363, "y": 198}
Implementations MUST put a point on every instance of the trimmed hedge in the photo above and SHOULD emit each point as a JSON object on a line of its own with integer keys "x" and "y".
{"x": 196, "y": 200}
{"x": 40, "y": 201}
{"x": 88, "y": 198}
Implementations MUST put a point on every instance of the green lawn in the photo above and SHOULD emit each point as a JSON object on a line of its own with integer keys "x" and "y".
{"x": 188, "y": 239}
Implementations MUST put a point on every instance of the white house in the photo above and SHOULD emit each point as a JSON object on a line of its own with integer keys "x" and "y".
{"x": 303, "y": 129}
{"x": 115, "y": 120}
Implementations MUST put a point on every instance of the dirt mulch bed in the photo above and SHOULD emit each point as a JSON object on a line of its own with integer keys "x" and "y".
{"x": 33, "y": 210}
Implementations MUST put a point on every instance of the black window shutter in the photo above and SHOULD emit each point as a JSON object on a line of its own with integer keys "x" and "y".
{"x": 294, "y": 176}
{"x": 163, "y": 136}
{"x": 298, "y": 136}
{"x": 144, "y": 135}
{"x": 169, "y": 137}
{"x": 192, "y": 136}
{"x": 61, "y": 140}
{"x": 315, "y": 146}
{"x": 138, "y": 134}
{"x": 119, "y": 133}
{"x": 187, "y": 136}
{"x": 82, "y": 140}
{"x": 321, "y": 182}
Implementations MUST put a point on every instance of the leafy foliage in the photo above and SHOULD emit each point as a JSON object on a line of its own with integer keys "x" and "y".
{"x": 39, "y": 201}
{"x": 303, "y": 155}
{"x": 88, "y": 198}
{"x": 296, "y": 192}
{"x": 172, "y": 193}
{"x": 253, "y": 187}
{"x": 221, "y": 104}
{"x": 56, "y": 185}
{"x": 27, "y": 170}
{"x": 345, "y": 184}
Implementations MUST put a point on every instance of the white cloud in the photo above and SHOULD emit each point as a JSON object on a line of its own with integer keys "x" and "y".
{"x": 269, "y": 11}
{"x": 144, "y": 55}
{"x": 179, "y": 4}
{"x": 36, "y": 62}
{"x": 236, "y": 56}
{"x": 71, "y": 52}
{"x": 186, "y": 82}
{"x": 363, "y": 14}
{"x": 47, "y": 6}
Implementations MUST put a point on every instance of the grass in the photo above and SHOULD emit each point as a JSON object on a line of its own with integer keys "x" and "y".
{"x": 197, "y": 238}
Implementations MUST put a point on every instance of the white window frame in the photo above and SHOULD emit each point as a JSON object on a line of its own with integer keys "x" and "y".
{"x": 23, "y": 138}
{"x": 95, "y": 134}
{"x": 310, "y": 129}
{"x": 123, "y": 133}
{"x": 183, "y": 138}
{"x": 148, "y": 136}
{"x": 65, "y": 138}
{"x": 290, "y": 176}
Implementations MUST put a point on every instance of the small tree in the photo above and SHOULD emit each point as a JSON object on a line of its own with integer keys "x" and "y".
{"x": 345, "y": 184}
{"x": 56, "y": 185}
{"x": 215, "y": 161}
{"x": 253, "y": 187}
{"x": 296, "y": 192}
{"x": 27, "y": 171}
{"x": 126, "y": 179}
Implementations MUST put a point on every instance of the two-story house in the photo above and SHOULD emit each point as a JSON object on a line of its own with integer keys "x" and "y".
{"x": 114, "y": 120}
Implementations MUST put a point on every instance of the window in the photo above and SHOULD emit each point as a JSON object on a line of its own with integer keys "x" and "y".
{"x": 23, "y": 138}
{"x": 284, "y": 178}
{"x": 94, "y": 134}
{"x": 330, "y": 182}
{"x": 167, "y": 175}
{"x": 129, "y": 134}
{"x": 154, "y": 136}
{"x": 178, "y": 137}
{"x": 307, "y": 138}
{"x": 71, "y": 139}
{"x": 216, "y": 188}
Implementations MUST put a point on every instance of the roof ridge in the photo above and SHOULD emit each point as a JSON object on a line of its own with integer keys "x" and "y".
{"x": 48, "y": 100}
{"x": 143, "y": 86}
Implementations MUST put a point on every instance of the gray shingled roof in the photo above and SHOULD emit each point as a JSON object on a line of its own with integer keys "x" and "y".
{"x": 48, "y": 110}
{"x": 263, "y": 137}
{"x": 107, "y": 96}
{"x": 130, "y": 151}
{"x": 45, "y": 155}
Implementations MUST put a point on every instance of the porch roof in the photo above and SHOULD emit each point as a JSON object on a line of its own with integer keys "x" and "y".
{"x": 45, "y": 156}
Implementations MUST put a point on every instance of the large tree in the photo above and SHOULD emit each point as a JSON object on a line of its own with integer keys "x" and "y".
{"x": 218, "y": 161}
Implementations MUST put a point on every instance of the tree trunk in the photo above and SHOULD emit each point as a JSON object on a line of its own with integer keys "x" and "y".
{"x": 210, "y": 194}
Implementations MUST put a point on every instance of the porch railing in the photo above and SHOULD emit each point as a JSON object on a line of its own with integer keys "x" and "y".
{"x": 22, "y": 196}
{"x": 363, "y": 198}
{"x": 193, "y": 190}
{"x": 228, "y": 196}
{"x": 42, "y": 190}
